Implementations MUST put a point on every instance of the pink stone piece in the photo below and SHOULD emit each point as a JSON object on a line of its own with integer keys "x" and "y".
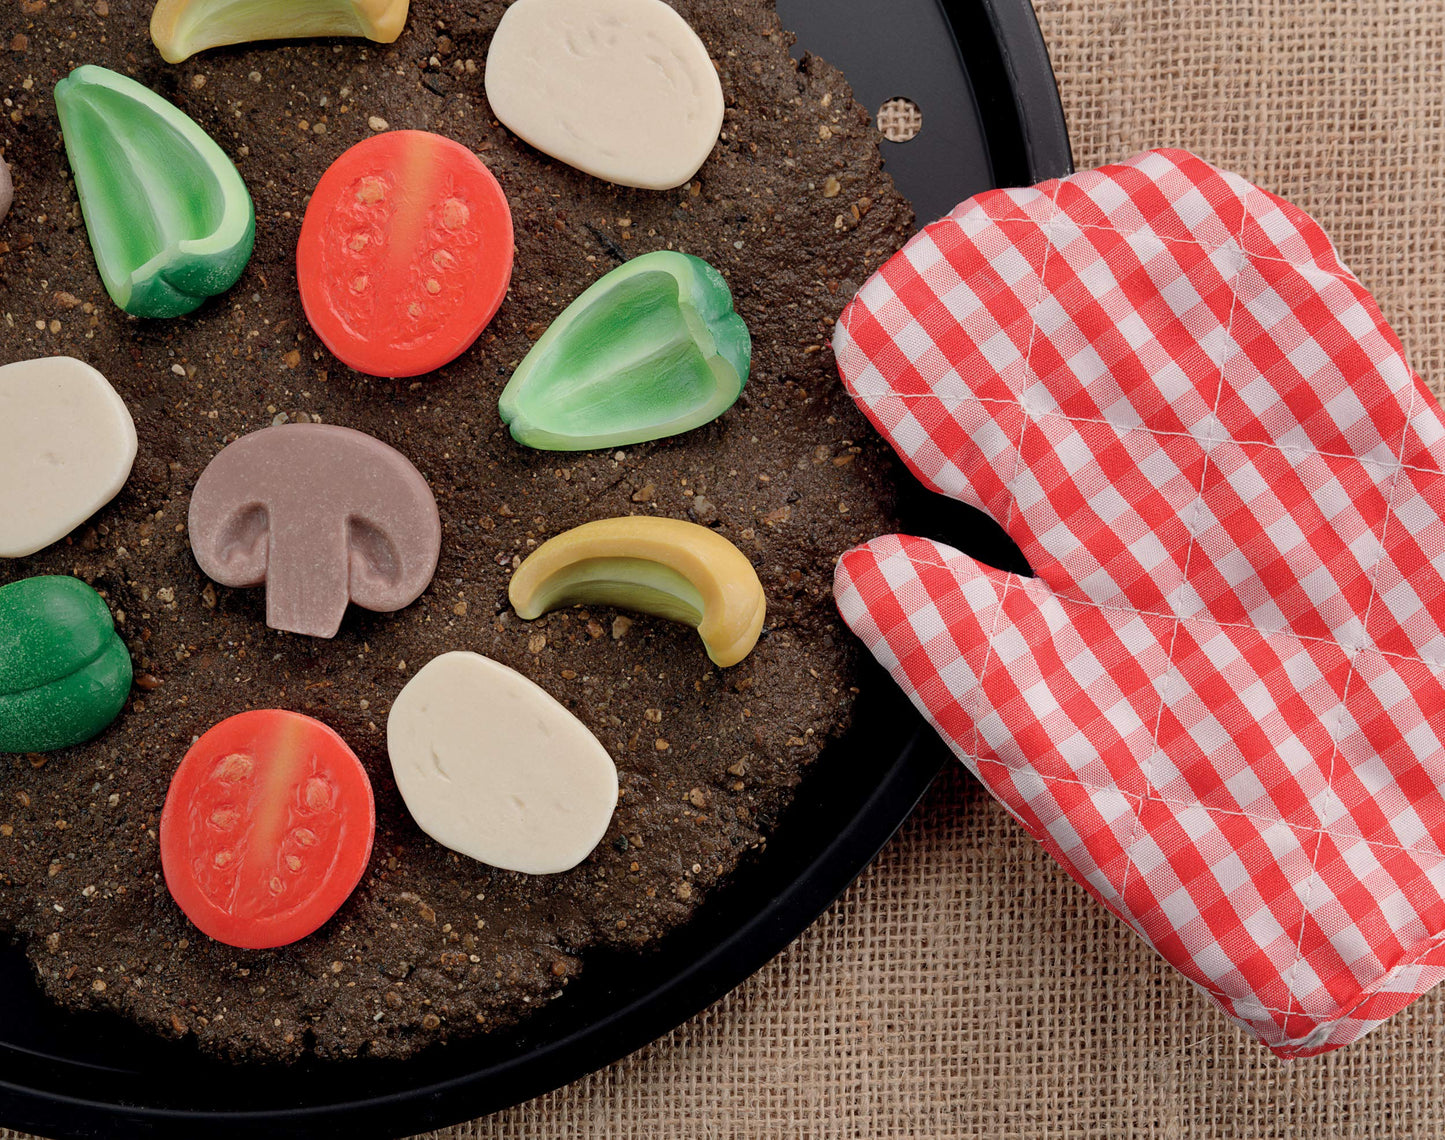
{"x": 7, "y": 190}
{"x": 321, "y": 515}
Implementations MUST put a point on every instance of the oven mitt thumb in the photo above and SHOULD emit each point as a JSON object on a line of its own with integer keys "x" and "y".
{"x": 1219, "y": 705}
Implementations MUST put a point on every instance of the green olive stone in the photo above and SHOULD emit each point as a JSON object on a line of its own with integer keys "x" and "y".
{"x": 64, "y": 672}
{"x": 169, "y": 219}
{"x": 653, "y": 349}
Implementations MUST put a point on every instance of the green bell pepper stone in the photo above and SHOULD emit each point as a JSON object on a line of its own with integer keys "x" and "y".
{"x": 169, "y": 218}
{"x": 64, "y": 672}
{"x": 653, "y": 349}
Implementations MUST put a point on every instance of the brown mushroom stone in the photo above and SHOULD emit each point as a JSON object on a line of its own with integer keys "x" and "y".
{"x": 322, "y": 515}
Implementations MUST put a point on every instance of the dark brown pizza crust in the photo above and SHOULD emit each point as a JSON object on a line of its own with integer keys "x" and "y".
{"x": 432, "y": 945}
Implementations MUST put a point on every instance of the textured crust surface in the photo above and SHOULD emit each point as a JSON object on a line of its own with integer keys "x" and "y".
{"x": 431, "y": 945}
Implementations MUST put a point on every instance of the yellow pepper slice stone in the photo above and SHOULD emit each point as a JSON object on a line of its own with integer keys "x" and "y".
{"x": 180, "y": 28}
{"x": 665, "y": 567}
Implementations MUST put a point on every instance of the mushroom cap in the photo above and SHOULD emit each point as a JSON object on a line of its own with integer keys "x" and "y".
{"x": 322, "y": 515}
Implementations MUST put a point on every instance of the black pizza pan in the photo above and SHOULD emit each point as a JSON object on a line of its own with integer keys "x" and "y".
{"x": 979, "y": 73}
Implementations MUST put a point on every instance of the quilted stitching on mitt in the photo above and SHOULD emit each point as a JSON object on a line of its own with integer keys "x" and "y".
{"x": 1219, "y": 704}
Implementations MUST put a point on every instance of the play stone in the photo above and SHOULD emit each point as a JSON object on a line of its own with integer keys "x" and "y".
{"x": 621, "y": 89}
{"x": 67, "y": 443}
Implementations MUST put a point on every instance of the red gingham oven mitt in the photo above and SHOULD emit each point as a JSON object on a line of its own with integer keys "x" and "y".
{"x": 1219, "y": 705}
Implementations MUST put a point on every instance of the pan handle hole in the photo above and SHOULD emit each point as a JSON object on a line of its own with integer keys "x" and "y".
{"x": 900, "y": 119}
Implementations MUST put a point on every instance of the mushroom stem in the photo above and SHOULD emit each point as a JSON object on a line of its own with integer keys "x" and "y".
{"x": 307, "y": 578}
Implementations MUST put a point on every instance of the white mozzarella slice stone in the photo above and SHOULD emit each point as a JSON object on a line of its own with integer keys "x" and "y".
{"x": 67, "y": 445}
{"x": 492, "y": 766}
{"x": 621, "y": 89}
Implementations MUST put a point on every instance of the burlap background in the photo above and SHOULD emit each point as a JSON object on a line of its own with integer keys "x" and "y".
{"x": 965, "y": 987}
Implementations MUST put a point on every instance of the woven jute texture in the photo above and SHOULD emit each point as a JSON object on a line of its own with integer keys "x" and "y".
{"x": 964, "y": 987}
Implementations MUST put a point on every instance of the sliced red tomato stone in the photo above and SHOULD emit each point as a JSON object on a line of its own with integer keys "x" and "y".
{"x": 267, "y": 828}
{"x": 405, "y": 253}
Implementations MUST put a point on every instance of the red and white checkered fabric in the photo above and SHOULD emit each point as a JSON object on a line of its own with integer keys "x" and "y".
{"x": 1221, "y": 702}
